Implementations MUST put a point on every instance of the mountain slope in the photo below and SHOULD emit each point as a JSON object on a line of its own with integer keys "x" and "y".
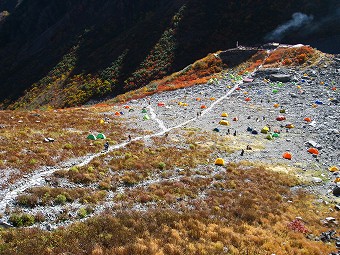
{"x": 72, "y": 51}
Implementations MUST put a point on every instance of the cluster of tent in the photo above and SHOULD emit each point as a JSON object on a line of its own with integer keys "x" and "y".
{"x": 95, "y": 137}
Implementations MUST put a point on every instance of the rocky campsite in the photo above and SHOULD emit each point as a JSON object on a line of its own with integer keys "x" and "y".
{"x": 169, "y": 127}
{"x": 244, "y": 163}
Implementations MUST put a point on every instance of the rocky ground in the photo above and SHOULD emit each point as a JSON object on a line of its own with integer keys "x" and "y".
{"x": 254, "y": 103}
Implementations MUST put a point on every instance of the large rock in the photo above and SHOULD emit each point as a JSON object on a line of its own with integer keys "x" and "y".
{"x": 236, "y": 56}
{"x": 280, "y": 77}
{"x": 336, "y": 191}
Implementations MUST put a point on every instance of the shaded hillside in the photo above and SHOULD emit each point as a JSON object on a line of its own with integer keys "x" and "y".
{"x": 68, "y": 52}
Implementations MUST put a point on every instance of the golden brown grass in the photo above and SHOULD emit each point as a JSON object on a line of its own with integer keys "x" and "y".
{"x": 22, "y": 138}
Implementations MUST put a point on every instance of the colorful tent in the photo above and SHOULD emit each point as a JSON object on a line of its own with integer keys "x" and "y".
{"x": 146, "y": 117}
{"x": 247, "y": 99}
{"x": 117, "y": 114}
{"x": 224, "y": 122}
{"x": 269, "y": 137}
{"x": 313, "y": 151}
{"x": 216, "y": 130}
{"x": 307, "y": 119}
{"x": 144, "y": 110}
{"x": 126, "y": 107}
{"x": 219, "y": 162}
{"x": 224, "y": 114}
{"x": 276, "y": 135}
{"x": 280, "y": 118}
{"x": 333, "y": 169}
{"x": 254, "y": 132}
{"x": 235, "y": 119}
{"x": 276, "y": 105}
{"x": 161, "y": 104}
{"x": 290, "y": 125}
{"x": 265, "y": 130}
{"x": 282, "y": 111}
{"x": 203, "y": 106}
{"x": 101, "y": 121}
{"x": 287, "y": 155}
{"x": 91, "y": 137}
{"x": 212, "y": 99}
{"x": 101, "y": 136}
{"x": 131, "y": 110}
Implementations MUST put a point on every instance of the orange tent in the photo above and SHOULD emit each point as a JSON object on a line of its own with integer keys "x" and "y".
{"x": 276, "y": 105}
{"x": 238, "y": 88}
{"x": 334, "y": 88}
{"x": 287, "y": 155}
{"x": 203, "y": 107}
{"x": 247, "y": 99}
{"x": 280, "y": 118}
{"x": 117, "y": 114}
{"x": 307, "y": 119}
{"x": 313, "y": 151}
{"x": 337, "y": 179}
{"x": 212, "y": 99}
{"x": 198, "y": 99}
{"x": 126, "y": 107}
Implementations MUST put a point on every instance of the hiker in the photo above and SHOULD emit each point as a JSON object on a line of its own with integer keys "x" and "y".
{"x": 198, "y": 114}
{"x": 248, "y": 148}
{"x": 228, "y": 132}
{"x": 166, "y": 134}
{"x": 106, "y": 146}
{"x": 129, "y": 138}
{"x": 263, "y": 117}
{"x": 235, "y": 133}
{"x": 242, "y": 152}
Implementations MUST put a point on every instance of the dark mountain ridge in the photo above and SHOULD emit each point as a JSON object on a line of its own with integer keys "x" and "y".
{"x": 135, "y": 42}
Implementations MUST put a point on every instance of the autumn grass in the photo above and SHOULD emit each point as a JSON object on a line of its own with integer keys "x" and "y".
{"x": 251, "y": 216}
{"x": 22, "y": 136}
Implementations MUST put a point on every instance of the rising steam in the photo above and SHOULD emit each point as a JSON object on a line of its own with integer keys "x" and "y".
{"x": 298, "y": 20}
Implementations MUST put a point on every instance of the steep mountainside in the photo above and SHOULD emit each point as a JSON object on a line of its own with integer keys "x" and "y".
{"x": 67, "y": 52}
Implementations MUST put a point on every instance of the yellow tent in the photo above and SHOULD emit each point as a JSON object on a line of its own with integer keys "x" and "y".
{"x": 224, "y": 122}
{"x": 333, "y": 169}
{"x": 265, "y": 130}
{"x": 101, "y": 121}
{"x": 224, "y": 114}
{"x": 219, "y": 162}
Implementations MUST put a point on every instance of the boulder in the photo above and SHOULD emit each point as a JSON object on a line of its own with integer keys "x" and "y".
{"x": 336, "y": 191}
{"x": 280, "y": 77}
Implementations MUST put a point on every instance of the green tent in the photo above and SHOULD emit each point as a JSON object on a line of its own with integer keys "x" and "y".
{"x": 131, "y": 110}
{"x": 216, "y": 130}
{"x": 282, "y": 111}
{"x": 144, "y": 110}
{"x": 146, "y": 117}
{"x": 269, "y": 137}
{"x": 275, "y": 135}
{"x": 91, "y": 137}
{"x": 101, "y": 136}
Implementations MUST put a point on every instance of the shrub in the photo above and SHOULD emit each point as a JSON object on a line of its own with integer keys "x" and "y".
{"x": 161, "y": 165}
{"x": 68, "y": 146}
{"x": 82, "y": 213}
{"x": 22, "y": 220}
{"x": 60, "y": 199}
{"x": 27, "y": 200}
{"x": 298, "y": 226}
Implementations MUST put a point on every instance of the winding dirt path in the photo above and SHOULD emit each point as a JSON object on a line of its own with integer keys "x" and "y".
{"x": 38, "y": 178}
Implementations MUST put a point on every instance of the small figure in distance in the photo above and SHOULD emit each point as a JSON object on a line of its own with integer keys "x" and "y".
{"x": 235, "y": 133}
{"x": 106, "y": 146}
{"x": 129, "y": 138}
{"x": 248, "y": 148}
{"x": 242, "y": 152}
